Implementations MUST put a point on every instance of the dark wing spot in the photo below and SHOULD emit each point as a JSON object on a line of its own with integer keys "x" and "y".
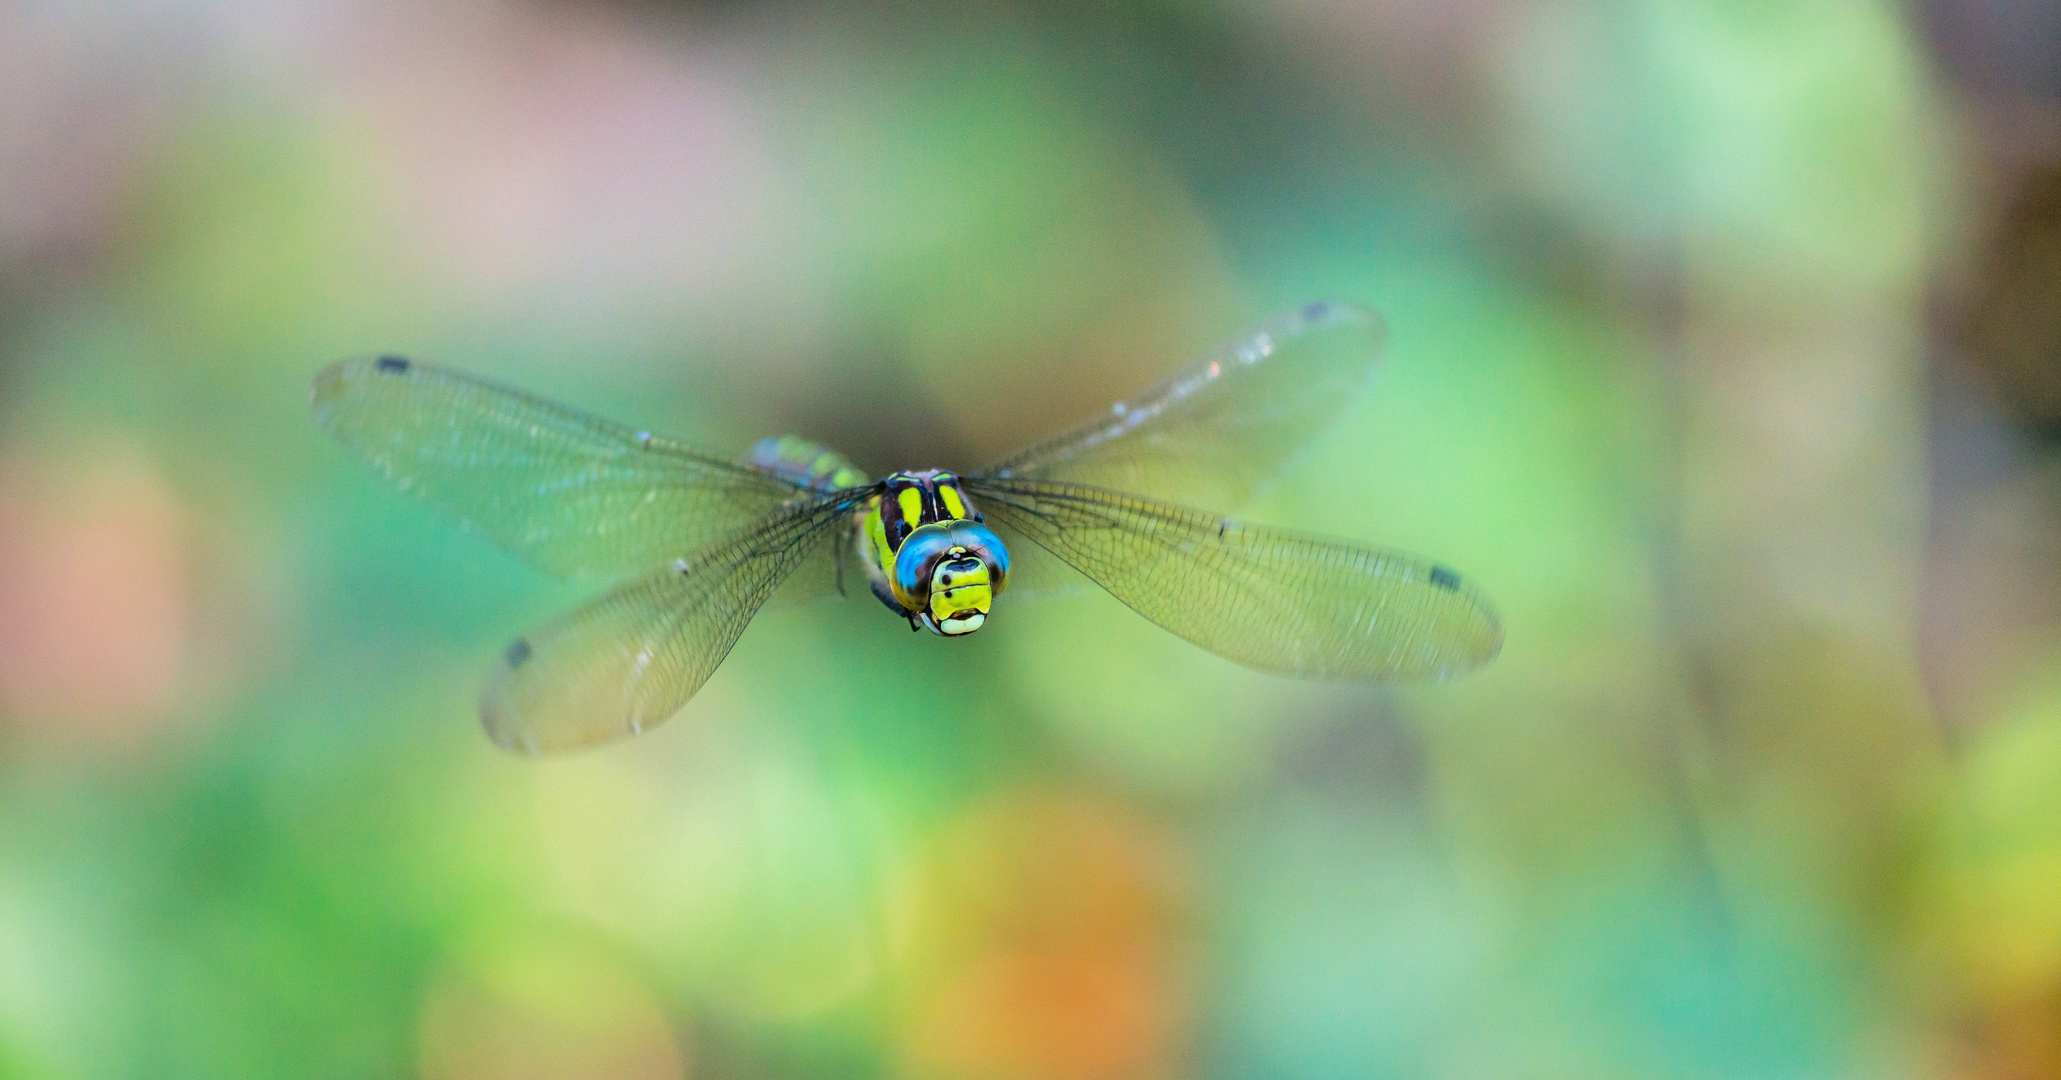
{"x": 1444, "y": 578}
{"x": 392, "y": 365}
{"x": 1316, "y": 310}
{"x": 517, "y": 653}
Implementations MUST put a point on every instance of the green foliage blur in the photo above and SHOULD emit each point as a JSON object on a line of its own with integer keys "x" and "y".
{"x": 1720, "y": 359}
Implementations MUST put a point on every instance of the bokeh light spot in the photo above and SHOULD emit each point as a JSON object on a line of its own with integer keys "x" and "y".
{"x": 95, "y": 594}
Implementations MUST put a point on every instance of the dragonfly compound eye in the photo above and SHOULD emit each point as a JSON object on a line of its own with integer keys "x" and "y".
{"x": 950, "y": 572}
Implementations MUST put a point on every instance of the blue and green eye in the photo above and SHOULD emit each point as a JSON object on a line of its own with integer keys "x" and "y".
{"x": 947, "y": 548}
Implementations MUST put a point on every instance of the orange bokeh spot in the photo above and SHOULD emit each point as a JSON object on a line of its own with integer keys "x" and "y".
{"x": 1047, "y": 950}
{"x": 95, "y": 596}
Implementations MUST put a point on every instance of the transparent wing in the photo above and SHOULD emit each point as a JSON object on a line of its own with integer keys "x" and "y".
{"x": 630, "y": 658}
{"x": 1034, "y": 573}
{"x": 572, "y": 493}
{"x": 1273, "y": 600}
{"x": 1217, "y": 432}
{"x": 831, "y": 571}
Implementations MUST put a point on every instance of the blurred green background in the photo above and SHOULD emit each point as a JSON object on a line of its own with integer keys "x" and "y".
{"x": 1726, "y": 356}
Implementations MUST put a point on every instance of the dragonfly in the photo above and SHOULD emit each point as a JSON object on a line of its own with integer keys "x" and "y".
{"x": 698, "y": 543}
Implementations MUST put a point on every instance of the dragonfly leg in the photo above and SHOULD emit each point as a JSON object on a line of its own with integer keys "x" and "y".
{"x": 888, "y": 598}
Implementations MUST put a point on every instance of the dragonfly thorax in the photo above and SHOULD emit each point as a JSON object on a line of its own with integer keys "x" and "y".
{"x": 929, "y": 554}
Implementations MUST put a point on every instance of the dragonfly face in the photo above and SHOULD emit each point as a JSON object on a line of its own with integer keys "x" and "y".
{"x": 931, "y": 558}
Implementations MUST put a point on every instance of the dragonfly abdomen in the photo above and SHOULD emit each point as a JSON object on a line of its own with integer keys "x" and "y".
{"x": 811, "y": 464}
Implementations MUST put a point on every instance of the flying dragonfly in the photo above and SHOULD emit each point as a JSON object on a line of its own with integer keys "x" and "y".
{"x": 701, "y": 542}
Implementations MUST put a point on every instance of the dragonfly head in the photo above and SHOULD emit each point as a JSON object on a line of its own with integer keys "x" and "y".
{"x": 949, "y": 572}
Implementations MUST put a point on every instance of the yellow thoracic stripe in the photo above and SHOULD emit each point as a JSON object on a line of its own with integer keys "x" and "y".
{"x": 912, "y": 505}
{"x": 878, "y": 534}
{"x": 953, "y": 505}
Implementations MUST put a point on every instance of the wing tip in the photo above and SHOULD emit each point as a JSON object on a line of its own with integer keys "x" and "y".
{"x": 330, "y": 384}
{"x": 498, "y": 715}
{"x": 1490, "y": 650}
{"x": 506, "y": 728}
{"x": 1492, "y": 643}
{"x": 324, "y": 387}
{"x": 503, "y": 728}
{"x": 1354, "y": 334}
{"x": 1325, "y": 311}
{"x": 1476, "y": 647}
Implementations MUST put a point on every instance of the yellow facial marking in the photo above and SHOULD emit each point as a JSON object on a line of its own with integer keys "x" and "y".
{"x": 958, "y": 587}
{"x": 963, "y": 598}
{"x": 953, "y": 505}
{"x": 964, "y": 624}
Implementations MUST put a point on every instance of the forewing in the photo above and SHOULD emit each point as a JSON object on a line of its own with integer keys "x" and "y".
{"x": 1269, "y": 599}
{"x": 572, "y": 493}
{"x": 832, "y": 570}
{"x": 630, "y": 658}
{"x": 1035, "y": 573}
{"x": 1217, "y": 432}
